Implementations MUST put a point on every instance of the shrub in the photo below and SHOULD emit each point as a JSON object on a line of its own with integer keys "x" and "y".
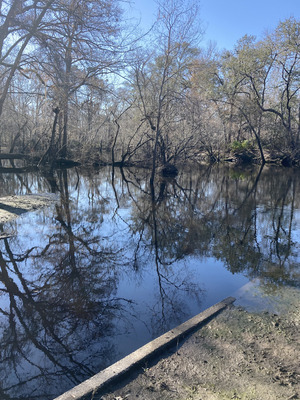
{"x": 244, "y": 151}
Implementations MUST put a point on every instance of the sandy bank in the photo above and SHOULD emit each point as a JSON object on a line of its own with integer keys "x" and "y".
{"x": 13, "y": 206}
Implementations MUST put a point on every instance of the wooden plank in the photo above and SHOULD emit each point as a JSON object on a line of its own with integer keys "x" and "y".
{"x": 118, "y": 369}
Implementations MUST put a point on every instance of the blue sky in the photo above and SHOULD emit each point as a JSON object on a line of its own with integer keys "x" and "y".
{"x": 226, "y": 21}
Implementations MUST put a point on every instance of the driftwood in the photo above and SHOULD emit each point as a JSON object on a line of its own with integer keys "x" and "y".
{"x": 5, "y": 236}
{"x": 55, "y": 163}
{"x": 65, "y": 163}
{"x": 16, "y": 170}
{"x": 12, "y": 156}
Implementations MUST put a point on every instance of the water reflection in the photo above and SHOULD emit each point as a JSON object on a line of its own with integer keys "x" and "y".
{"x": 116, "y": 262}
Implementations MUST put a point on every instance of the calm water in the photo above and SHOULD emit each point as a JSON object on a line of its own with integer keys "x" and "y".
{"x": 112, "y": 264}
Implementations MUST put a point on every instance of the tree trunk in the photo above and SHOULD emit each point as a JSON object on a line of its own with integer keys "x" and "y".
{"x": 51, "y": 152}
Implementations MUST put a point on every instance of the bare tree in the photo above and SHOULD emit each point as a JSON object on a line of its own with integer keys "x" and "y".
{"x": 84, "y": 42}
{"x": 161, "y": 78}
{"x": 20, "y": 22}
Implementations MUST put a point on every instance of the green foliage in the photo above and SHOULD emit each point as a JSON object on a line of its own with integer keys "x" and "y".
{"x": 244, "y": 146}
{"x": 243, "y": 151}
{"x": 238, "y": 175}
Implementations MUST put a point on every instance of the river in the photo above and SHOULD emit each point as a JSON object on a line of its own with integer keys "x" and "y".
{"x": 114, "y": 263}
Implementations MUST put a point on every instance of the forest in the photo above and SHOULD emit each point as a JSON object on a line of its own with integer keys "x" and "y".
{"x": 81, "y": 82}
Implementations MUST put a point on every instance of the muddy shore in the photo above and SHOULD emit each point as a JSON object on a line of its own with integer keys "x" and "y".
{"x": 239, "y": 354}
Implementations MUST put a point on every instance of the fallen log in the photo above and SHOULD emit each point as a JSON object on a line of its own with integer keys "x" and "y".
{"x": 17, "y": 170}
{"x": 13, "y": 156}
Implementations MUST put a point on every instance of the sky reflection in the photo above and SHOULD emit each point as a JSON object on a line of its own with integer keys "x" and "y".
{"x": 110, "y": 266}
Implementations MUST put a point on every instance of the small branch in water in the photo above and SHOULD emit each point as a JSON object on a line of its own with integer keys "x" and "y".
{"x": 5, "y": 236}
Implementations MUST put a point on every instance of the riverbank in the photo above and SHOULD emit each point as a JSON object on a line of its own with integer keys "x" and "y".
{"x": 12, "y": 207}
{"x": 238, "y": 355}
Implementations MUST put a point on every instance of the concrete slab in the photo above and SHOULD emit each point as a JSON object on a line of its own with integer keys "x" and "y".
{"x": 117, "y": 370}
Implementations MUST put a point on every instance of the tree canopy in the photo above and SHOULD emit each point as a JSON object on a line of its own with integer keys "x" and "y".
{"x": 152, "y": 100}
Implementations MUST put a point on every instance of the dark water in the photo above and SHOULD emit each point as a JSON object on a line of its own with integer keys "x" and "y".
{"x": 113, "y": 264}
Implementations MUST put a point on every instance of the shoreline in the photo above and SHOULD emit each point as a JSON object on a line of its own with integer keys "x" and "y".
{"x": 239, "y": 354}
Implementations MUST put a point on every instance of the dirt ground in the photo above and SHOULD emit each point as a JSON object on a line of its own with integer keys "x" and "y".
{"x": 238, "y": 355}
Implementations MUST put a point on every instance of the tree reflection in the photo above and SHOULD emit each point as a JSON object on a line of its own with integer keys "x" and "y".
{"x": 245, "y": 219}
{"x": 155, "y": 237}
{"x": 257, "y": 227}
{"x": 61, "y": 312}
